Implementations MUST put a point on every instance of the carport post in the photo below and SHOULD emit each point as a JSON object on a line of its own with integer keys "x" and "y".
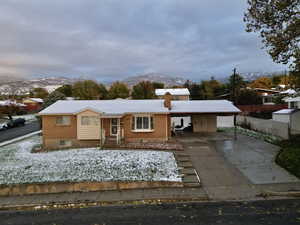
{"x": 234, "y": 122}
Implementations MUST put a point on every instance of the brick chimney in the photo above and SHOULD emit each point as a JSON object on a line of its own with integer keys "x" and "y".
{"x": 167, "y": 100}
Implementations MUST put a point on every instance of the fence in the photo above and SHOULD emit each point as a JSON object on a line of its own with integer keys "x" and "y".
{"x": 261, "y": 108}
{"x": 275, "y": 128}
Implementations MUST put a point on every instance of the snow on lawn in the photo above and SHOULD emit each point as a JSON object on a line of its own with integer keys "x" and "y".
{"x": 19, "y": 165}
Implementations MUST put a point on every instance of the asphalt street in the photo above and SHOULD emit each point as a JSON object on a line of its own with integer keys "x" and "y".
{"x": 15, "y": 132}
{"x": 275, "y": 212}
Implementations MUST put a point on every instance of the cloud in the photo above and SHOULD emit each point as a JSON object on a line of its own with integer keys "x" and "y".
{"x": 112, "y": 39}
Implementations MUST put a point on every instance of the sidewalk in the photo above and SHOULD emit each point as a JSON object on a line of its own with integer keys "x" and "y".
{"x": 179, "y": 194}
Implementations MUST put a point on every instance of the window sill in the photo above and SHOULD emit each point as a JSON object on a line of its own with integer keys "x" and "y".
{"x": 142, "y": 131}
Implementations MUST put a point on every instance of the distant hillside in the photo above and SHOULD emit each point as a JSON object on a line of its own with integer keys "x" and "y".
{"x": 24, "y": 86}
{"x": 251, "y": 76}
{"x": 154, "y": 77}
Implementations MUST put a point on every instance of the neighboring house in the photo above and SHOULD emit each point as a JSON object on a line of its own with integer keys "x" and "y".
{"x": 11, "y": 103}
{"x": 87, "y": 123}
{"x": 33, "y": 104}
{"x": 267, "y": 95}
{"x": 290, "y": 115}
{"x": 177, "y": 93}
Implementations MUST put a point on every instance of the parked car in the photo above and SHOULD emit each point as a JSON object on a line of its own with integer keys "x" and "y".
{"x": 15, "y": 123}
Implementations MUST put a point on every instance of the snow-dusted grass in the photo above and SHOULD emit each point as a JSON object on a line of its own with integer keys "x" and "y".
{"x": 19, "y": 165}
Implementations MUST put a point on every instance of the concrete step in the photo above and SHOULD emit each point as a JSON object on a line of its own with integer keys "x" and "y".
{"x": 187, "y": 171}
{"x": 185, "y": 164}
{"x": 181, "y": 154}
{"x": 183, "y": 160}
{"x": 192, "y": 185}
{"x": 190, "y": 179}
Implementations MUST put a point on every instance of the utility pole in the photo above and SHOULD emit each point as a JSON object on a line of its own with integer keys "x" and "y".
{"x": 234, "y": 102}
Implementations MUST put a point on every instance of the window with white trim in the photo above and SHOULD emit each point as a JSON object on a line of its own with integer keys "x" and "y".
{"x": 143, "y": 123}
{"x": 90, "y": 121}
{"x": 63, "y": 120}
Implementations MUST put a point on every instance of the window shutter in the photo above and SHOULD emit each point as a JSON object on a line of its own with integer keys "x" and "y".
{"x": 152, "y": 123}
{"x": 132, "y": 123}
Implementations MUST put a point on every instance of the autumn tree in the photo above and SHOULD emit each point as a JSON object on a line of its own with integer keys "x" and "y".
{"x": 158, "y": 85}
{"x": 262, "y": 82}
{"x": 89, "y": 90}
{"x": 143, "y": 90}
{"x": 278, "y": 23}
{"x": 248, "y": 97}
{"x": 118, "y": 90}
{"x": 235, "y": 85}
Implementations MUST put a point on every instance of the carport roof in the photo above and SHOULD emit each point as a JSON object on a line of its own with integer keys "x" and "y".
{"x": 204, "y": 106}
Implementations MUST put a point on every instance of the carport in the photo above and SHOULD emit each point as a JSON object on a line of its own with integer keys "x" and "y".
{"x": 203, "y": 113}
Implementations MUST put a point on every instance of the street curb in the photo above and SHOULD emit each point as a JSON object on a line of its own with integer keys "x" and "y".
{"x": 20, "y": 138}
{"x": 85, "y": 204}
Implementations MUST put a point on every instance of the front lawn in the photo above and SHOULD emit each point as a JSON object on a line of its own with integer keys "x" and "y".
{"x": 289, "y": 156}
{"x": 19, "y": 165}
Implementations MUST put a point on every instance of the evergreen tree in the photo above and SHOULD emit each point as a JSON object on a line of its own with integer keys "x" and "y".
{"x": 118, "y": 90}
{"x": 89, "y": 90}
{"x": 52, "y": 98}
{"x": 143, "y": 90}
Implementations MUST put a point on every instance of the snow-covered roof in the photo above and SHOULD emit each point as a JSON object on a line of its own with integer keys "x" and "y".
{"x": 119, "y": 107}
{"x": 10, "y": 102}
{"x": 39, "y": 100}
{"x": 282, "y": 85}
{"x": 289, "y": 92}
{"x": 203, "y": 106}
{"x": 172, "y": 91}
{"x": 111, "y": 107}
{"x": 285, "y": 111}
{"x": 296, "y": 99}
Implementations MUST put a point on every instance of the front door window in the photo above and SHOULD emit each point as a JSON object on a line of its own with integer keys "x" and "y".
{"x": 114, "y": 126}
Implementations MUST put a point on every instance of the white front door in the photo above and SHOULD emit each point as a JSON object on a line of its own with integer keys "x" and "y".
{"x": 114, "y": 123}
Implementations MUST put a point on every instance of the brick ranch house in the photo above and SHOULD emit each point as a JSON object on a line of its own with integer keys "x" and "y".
{"x": 89, "y": 123}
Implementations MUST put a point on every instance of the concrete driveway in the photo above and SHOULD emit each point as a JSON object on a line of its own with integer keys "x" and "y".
{"x": 235, "y": 170}
{"x": 255, "y": 159}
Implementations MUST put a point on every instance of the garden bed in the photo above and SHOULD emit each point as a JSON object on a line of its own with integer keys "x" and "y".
{"x": 167, "y": 146}
{"x": 20, "y": 166}
{"x": 289, "y": 155}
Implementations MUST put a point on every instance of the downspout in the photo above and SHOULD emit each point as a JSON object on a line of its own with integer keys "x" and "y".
{"x": 167, "y": 127}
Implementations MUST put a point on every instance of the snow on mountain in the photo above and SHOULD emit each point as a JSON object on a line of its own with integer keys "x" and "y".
{"x": 169, "y": 81}
{"x": 23, "y": 87}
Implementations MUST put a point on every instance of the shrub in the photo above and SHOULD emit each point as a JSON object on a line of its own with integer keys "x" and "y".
{"x": 289, "y": 156}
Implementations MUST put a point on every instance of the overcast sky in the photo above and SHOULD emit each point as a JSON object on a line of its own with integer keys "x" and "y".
{"x": 114, "y": 39}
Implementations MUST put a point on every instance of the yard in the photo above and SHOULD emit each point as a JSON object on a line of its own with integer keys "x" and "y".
{"x": 19, "y": 165}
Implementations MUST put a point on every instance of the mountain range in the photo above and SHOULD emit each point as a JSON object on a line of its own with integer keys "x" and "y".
{"x": 10, "y": 84}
